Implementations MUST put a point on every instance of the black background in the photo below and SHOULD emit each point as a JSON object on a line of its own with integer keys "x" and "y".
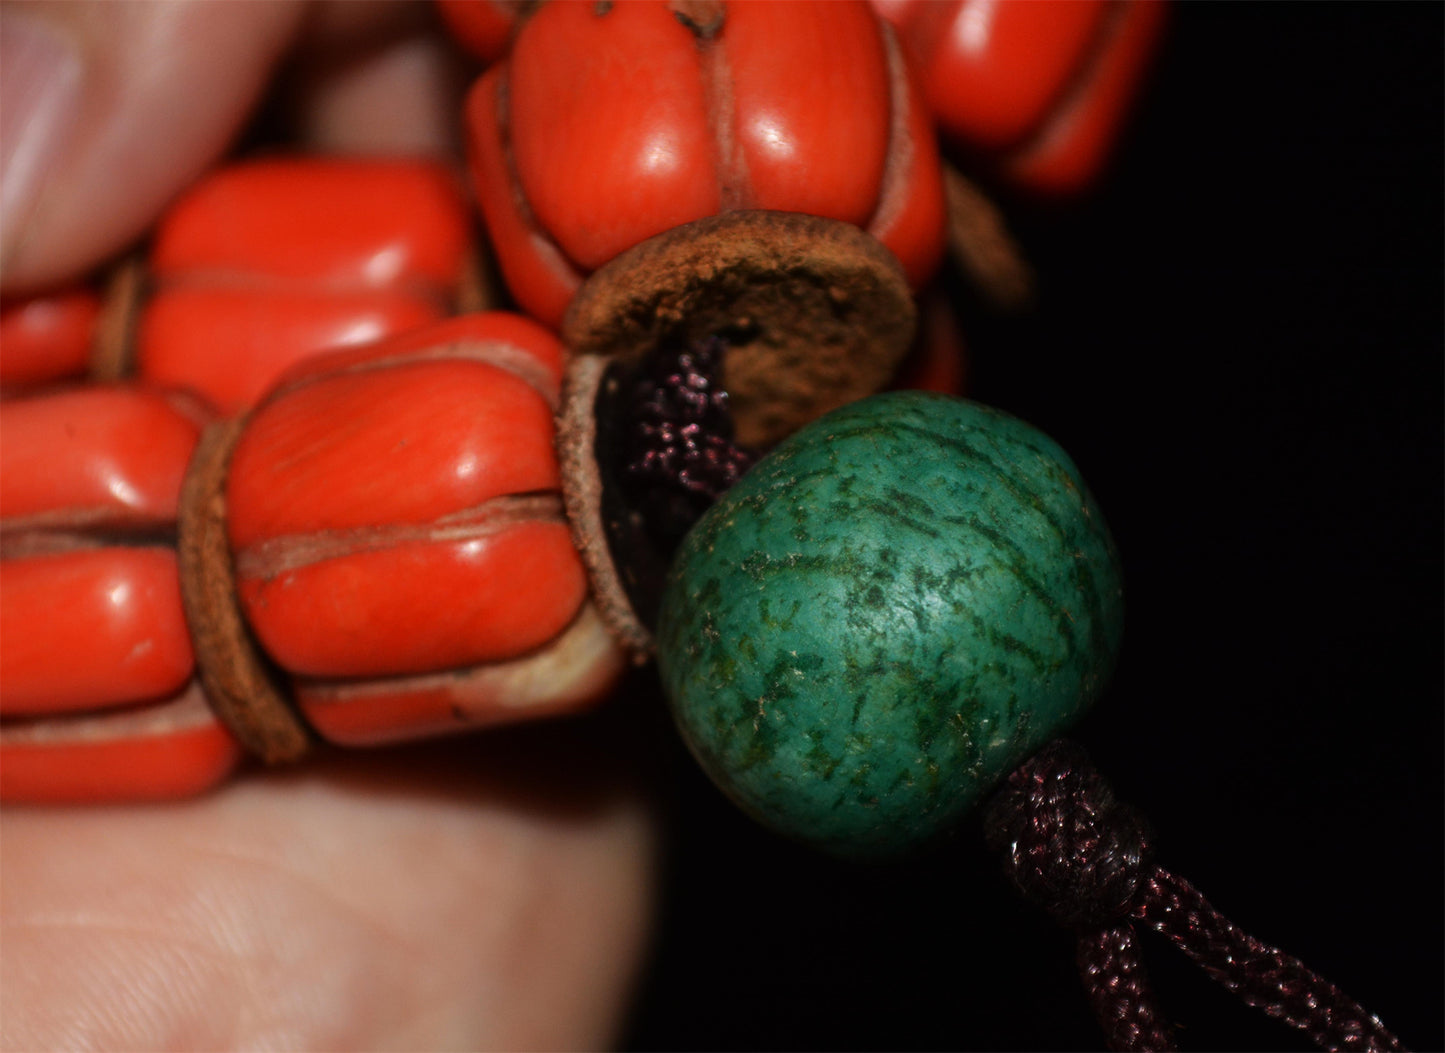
{"x": 1239, "y": 340}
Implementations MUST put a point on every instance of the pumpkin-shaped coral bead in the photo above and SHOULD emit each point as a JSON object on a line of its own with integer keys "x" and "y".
{"x": 889, "y": 612}
{"x": 609, "y": 124}
{"x": 402, "y": 514}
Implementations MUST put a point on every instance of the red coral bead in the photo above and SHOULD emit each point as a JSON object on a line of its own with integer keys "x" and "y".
{"x": 567, "y": 674}
{"x": 94, "y": 456}
{"x": 483, "y": 27}
{"x": 1041, "y": 87}
{"x": 1071, "y": 153}
{"x": 230, "y": 344}
{"x": 91, "y": 628}
{"x": 46, "y": 338}
{"x": 401, "y": 514}
{"x": 608, "y": 125}
{"x": 264, "y": 263}
{"x": 371, "y": 224}
{"x": 175, "y": 748}
{"x": 88, "y": 623}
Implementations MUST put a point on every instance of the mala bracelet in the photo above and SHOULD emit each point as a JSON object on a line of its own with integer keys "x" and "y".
{"x": 855, "y": 655}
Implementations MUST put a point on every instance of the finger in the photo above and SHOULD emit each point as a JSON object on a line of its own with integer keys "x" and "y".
{"x": 484, "y": 894}
{"x": 376, "y": 78}
{"x": 110, "y": 109}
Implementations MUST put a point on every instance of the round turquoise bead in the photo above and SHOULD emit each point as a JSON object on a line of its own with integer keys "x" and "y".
{"x": 889, "y": 612}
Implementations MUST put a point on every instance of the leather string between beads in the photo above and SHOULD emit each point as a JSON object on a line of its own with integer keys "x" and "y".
{"x": 1087, "y": 860}
{"x": 234, "y": 673}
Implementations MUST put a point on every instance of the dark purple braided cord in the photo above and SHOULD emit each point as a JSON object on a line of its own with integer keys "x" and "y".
{"x": 680, "y": 452}
{"x": 1119, "y": 990}
{"x": 1074, "y": 850}
{"x": 1263, "y": 976}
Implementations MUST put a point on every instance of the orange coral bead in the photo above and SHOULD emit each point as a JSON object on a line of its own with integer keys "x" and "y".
{"x": 1039, "y": 86}
{"x": 264, "y": 263}
{"x": 91, "y": 627}
{"x": 911, "y": 212}
{"x": 609, "y": 124}
{"x": 172, "y": 749}
{"x": 370, "y": 223}
{"x": 1072, "y": 152}
{"x": 541, "y": 278}
{"x": 93, "y": 456}
{"x": 46, "y": 338}
{"x": 410, "y": 606}
{"x": 401, "y": 514}
{"x": 483, "y": 27}
{"x": 810, "y": 106}
{"x": 230, "y": 344}
{"x": 570, "y": 673}
{"x": 407, "y": 444}
{"x": 610, "y": 128}
{"x": 995, "y": 70}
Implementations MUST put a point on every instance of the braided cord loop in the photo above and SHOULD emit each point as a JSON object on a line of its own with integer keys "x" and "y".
{"x": 1087, "y": 860}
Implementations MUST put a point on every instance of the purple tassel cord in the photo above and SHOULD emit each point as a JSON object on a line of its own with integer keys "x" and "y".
{"x": 680, "y": 451}
{"x": 1086, "y": 859}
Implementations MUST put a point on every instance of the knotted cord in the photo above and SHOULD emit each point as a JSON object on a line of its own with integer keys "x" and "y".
{"x": 1087, "y": 860}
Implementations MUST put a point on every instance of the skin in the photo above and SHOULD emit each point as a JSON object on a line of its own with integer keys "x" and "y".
{"x": 488, "y": 892}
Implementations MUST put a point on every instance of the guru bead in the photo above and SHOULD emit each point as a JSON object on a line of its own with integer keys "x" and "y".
{"x": 888, "y": 613}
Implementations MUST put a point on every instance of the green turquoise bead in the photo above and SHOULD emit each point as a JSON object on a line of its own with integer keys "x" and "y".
{"x": 887, "y": 614}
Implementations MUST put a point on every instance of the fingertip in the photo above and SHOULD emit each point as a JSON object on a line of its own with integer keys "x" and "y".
{"x": 127, "y": 104}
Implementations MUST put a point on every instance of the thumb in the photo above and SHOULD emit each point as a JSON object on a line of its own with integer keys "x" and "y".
{"x": 108, "y": 110}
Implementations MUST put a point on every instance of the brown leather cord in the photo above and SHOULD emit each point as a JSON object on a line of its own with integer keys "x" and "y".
{"x": 237, "y": 678}
{"x": 1086, "y": 859}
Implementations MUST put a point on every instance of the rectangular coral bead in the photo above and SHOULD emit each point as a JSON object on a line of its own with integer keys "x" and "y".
{"x": 375, "y": 224}
{"x": 89, "y": 628}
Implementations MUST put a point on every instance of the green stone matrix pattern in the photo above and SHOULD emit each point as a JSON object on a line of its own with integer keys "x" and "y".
{"x": 887, "y": 614}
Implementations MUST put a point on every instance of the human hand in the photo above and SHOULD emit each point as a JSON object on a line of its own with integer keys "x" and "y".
{"x": 483, "y": 893}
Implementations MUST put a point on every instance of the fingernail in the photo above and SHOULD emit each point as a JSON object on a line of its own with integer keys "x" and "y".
{"x": 40, "y": 75}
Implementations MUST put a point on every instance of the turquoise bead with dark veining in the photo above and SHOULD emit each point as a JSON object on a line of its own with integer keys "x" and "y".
{"x": 891, "y": 610}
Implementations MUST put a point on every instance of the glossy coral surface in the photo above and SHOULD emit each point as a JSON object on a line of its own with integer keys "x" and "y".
{"x": 1071, "y": 154}
{"x": 89, "y": 628}
{"x": 46, "y": 337}
{"x": 483, "y": 27}
{"x": 111, "y": 456}
{"x": 263, "y": 263}
{"x": 1038, "y": 88}
{"x": 174, "y": 748}
{"x": 402, "y": 514}
{"x": 90, "y": 608}
{"x": 608, "y": 125}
